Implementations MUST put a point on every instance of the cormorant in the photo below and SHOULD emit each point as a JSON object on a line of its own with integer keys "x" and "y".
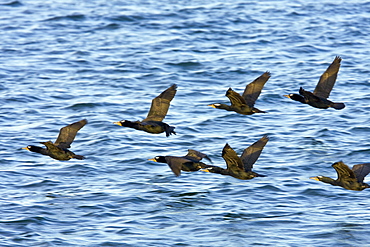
{"x": 322, "y": 91}
{"x": 240, "y": 167}
{"x": 347, "y": 178}
{"x": 158, "y": 110}
{"x": 244, "y": 104}
{"x": 189, "y": 163}
{"x": 58, "y": 150}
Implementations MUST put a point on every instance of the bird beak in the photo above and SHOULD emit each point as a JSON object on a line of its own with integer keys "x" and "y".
{"x": 152, "y": 160}
{"x": 287, "y": 95}
{"x": 205, "y": 170}
{"x": 212, "y": 105}
{"x": 315, "y": 178}
{"x": 26, "y": 148}
{"x": 118, "y": 123}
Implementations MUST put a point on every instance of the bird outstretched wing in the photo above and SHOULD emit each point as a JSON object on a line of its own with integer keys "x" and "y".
{"x": 175, "y": 163}
{"x": 361, "y": 171}
{"x": 160, "y": 104}
{"x": 196, "y": 155}
{"x": 235, "y": 98}
{"x": 232, "y": 160}
{"x": 343, "y": 171}
{"x": 68, "y": 133}
{"x": 252, "y": 153}
{"x": 327, "y": 80}
{"x": 253, "y": 90}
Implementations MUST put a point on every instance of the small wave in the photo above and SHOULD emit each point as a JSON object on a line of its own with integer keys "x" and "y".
{"x": 24, "y": 221}
{"x": 74, "y": 17}
{"x": 86, "y": 106}
{"x": 13, "y": 4}
{"x": 23, "y": 98}
{"x": 359, "y": 130}
{"x": 110, "y": 26}
{"x": 126, "y": 18}
{"x": 39, "y": 184}
{"x": 308, "y": 49}
{"x": 187, "y": 64}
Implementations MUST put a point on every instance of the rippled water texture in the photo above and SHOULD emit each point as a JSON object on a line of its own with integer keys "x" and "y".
{"x": 62, "y": 61}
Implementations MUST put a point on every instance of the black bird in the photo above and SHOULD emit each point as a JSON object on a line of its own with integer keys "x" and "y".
{"x": 59, "y": 149}
{"x": 322, "y": 91}
{"x": 189, "y": 163}
{"x": 153, "y": 122}
{"x": 244, "y": 104}
{"x": 240, "y": 167}
{"x": 347, "y": 178}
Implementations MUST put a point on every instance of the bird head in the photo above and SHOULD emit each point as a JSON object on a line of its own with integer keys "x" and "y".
{"x": 215, "y": 105}
{"x": 289, "y": 96}
{"x": 160, "y": 159}
{"x": 35, "y": 149}
{"x": 120, "y": 123}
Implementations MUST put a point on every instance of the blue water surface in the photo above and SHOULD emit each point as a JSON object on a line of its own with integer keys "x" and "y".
{"x": 63, "y": 60}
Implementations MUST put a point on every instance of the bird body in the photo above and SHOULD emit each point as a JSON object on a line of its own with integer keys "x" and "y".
{"x": 318, "y": 98}
{"x": 58, "y": 150}
{"x": 244, "y": 104}
{"x": 350, "y": 179}
{"x": 153, "y": 122}
{"x": 59, "y": 153}
{"x": 240, "y": 167}
{"x": 190, "y": 162}
{"x": 153, "y": 127}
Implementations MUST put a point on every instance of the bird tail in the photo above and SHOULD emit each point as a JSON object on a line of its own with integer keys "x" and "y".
{"x": 170, "y": 130}
{"x": 337, "y": 106}
{"x": 260, "y": 175}
{"x": 79, "y": 157}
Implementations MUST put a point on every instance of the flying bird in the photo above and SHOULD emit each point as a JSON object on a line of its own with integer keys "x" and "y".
{"x": 240, "y": 167}
{"x": 350, "y": 179}
{"x": 189, "y": 163}
{"x": 244, "y": 104}
{"x": 153, "y": 122}
{"x": 59, "y": 149}
{"x": 319, "y": 97}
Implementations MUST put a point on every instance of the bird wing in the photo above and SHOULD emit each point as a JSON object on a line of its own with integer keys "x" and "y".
{"x": 343, "y": 171}
{"x": 235, "y": 98}
{"x": 361, "y": 171}
{"x": 196, "y": 155}
{"x": 310, "y": 97}
{"x": 68, "y": 133}
{"x": 51, "y": 147}
{"x": 232, "y": 160}
{"x": 253, "y": 90}
{"x": 251, "y": 154}
{"x": 160, "y": 104}
{"x": 327, "y": 80}
{"x": 175, "y": 163}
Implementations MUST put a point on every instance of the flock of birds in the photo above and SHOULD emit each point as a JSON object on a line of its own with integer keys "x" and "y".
{"x": 239, "y": 167}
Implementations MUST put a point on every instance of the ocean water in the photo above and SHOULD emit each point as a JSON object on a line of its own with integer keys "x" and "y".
{"x": 62, "y": 61}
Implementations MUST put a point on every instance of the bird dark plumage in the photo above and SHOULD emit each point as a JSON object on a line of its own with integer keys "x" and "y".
{"x": 347, "y": 178}
{"x": 240, "y": 167}
{"x": 153, "y": 122}
{"x": 322, "y": 91}
{"x": 189, "y": 163}
{"x": 58, "y": 150}
{"x": 244, "y": 104}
